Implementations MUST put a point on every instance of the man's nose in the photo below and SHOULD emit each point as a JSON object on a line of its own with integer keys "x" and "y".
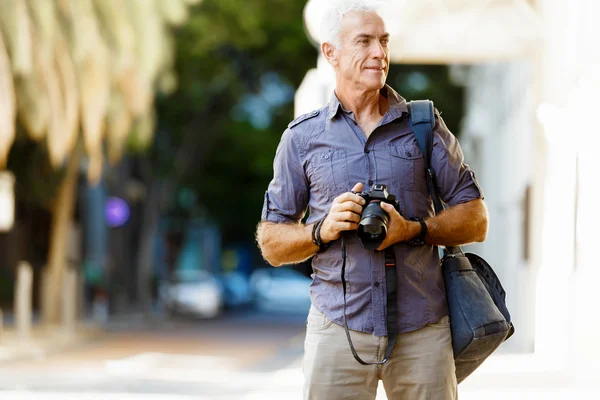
{"x": 379, "y": 50}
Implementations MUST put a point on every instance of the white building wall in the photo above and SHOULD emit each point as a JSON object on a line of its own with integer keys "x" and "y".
{"x": 534, "y": 123}
{"x": 316, "y": 89}
{"x": 496, "y": 138}
{"x": 569, "y": 69}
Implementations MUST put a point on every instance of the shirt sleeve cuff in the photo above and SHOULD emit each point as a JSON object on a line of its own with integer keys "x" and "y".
{"x": 469, "y": 193}
{"x": 272, "y": 215}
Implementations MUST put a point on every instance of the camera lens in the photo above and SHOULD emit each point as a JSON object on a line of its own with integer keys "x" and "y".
{"x": 372, "y": 228}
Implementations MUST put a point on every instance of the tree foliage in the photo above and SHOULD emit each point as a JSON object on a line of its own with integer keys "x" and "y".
{"x": 238, "y": 64}
{"x": 90, "y": 66}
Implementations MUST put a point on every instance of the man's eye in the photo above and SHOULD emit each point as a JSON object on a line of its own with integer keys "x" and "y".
{"x": 385, "y": 42}
{"x": 364, "y": 41}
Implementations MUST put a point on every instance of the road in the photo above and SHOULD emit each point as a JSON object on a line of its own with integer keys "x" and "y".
{"x": 233, "y": 357}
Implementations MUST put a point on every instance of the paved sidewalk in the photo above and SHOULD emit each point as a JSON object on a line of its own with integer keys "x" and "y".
{"x": 45, "y": 340}
{"x": 502, "y": 377}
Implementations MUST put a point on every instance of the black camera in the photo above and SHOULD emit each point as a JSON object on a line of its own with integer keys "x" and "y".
{"x": 373, "y": 225}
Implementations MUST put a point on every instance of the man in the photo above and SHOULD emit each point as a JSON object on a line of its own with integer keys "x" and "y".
{"x": 360, "y": 138}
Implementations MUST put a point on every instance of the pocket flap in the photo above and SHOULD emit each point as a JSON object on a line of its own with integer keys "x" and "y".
{"x": 405, "y": 151}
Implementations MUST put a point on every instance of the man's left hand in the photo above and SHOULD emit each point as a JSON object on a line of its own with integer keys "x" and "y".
{"x": 399, "y": 229}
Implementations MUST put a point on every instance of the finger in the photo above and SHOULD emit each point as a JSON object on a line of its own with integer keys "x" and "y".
{"x": 358, "y": 188}
{"x": 387, "y": 207}
{"x": 349, "y": 196}
{"x": 349, "y": 216}
{"x": 344, "y": 216}
{"x": 346, "y": 226}
{"x": 339, "y": 202}
{"x": 349, "y": 206}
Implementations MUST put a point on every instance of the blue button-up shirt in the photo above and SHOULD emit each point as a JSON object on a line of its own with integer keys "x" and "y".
{"x": 323, "y": 154}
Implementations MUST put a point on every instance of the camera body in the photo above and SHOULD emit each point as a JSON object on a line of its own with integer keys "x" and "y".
{"x": 372, "y": 228}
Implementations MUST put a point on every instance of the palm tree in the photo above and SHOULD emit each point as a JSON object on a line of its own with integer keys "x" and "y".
{"x": 76, "y": 74}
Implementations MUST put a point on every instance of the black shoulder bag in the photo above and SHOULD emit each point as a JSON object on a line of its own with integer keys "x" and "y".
{"x": 479, "y": 319}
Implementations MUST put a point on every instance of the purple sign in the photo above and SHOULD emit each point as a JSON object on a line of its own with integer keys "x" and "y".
{"x": 116, "y": 212}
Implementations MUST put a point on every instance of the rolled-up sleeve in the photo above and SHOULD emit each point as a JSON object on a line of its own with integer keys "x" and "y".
{"x": 456, "y": 183}
{"x": 286, "y": 198}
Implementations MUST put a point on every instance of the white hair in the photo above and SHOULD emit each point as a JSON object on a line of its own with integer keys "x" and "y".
{"x": 331, "y": 24}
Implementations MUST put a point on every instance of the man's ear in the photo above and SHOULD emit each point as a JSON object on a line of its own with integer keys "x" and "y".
{"x": 329, "y": 53}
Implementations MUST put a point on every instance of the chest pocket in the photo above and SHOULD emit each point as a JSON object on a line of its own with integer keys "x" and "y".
{"x": 407, "y": 165}
{"x": 330, "y": 172}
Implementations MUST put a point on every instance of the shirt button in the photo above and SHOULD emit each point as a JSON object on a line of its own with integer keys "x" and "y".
{"x": 370, "y": 182}
{"x": 376, "y": 284}
{"x": 409, "y": 154}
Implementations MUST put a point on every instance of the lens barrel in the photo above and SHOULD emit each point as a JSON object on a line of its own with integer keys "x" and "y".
{"x": 372, "y": 228}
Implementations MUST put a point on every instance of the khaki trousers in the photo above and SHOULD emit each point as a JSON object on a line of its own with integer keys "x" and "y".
{"x": 421, "y": 366}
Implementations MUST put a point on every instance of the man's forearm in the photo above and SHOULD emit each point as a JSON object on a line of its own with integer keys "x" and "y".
{"x": 285, "y": 243}
{"x": 458, "y": 225}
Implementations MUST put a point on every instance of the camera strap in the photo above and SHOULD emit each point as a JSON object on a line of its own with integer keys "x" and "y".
{"x": 391, "y": 306}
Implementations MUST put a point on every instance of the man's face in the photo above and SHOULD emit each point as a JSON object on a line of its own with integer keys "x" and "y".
{"x": 363, "y": 57}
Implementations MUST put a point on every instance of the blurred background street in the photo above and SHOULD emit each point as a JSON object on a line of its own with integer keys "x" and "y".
{"x": 136, "y": 142}
{"x": 231, "y": 357}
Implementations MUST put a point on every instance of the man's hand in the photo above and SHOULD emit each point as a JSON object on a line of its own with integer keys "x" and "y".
{"x": 344, "y": 214}
{"x": 399, "y": 229}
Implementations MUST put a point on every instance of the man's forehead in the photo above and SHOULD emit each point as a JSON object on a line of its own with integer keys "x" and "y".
{"x": 363, "y": 22}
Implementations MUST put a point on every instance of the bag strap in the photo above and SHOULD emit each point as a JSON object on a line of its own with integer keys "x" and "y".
{"x": 422, "y": 122}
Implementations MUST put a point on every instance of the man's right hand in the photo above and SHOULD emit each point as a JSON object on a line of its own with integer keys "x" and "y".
{"x": 344, "y": 214}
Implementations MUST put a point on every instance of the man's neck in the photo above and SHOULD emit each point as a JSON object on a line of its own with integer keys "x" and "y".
{"x": 365, "y": 105}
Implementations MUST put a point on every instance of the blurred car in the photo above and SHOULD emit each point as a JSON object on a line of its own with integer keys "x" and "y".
{"x": 236, "y": 289}
{"x": 192, "y": 292}
{"x": 280, "y": 289}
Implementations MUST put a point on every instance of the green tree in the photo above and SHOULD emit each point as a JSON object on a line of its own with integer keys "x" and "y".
{"x": 77, "y": 76}
{"x": 238, "y": 64}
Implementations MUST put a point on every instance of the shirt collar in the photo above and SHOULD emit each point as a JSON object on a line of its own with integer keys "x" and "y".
{"x": 396, "y": 103}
